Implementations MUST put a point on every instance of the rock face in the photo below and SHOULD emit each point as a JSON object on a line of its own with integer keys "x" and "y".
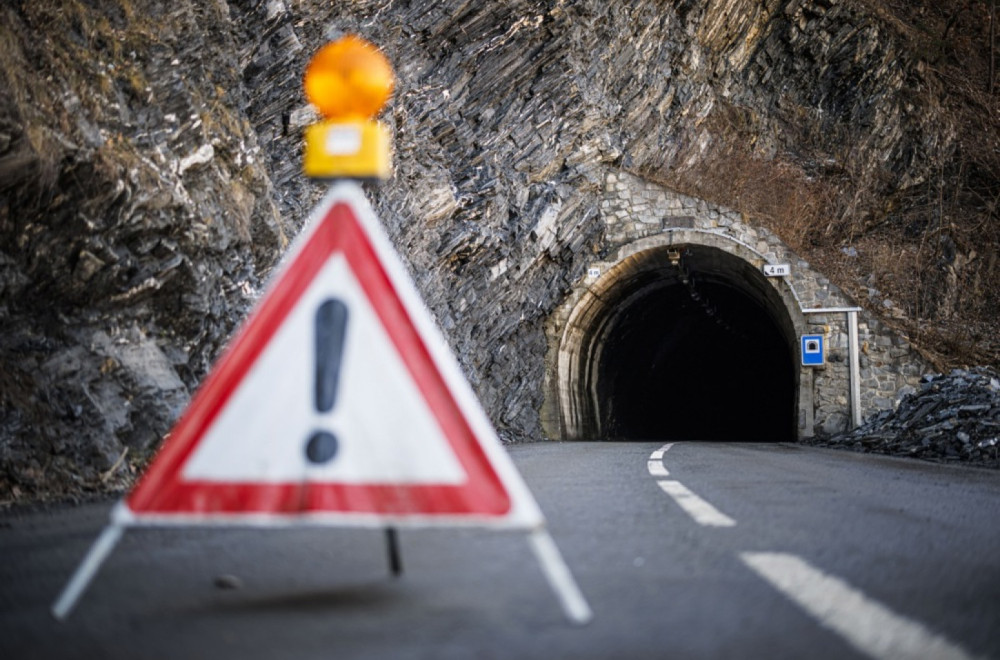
{"x": 136, "y": 216}
{"x": 949, "y": 418}
{"x": 150, "y": 177}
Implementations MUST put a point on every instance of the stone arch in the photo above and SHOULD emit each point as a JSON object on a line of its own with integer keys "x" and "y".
{"x": 633, "y": 337}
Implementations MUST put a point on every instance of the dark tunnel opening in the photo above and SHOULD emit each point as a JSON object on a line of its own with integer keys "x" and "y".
{"x": 693, "y": 357}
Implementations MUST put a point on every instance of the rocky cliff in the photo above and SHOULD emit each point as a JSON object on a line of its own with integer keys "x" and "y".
{"x": 137, "y": 216}
{"x": 150, "y": 178}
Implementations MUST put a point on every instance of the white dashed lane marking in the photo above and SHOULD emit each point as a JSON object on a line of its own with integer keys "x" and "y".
{"x": 696, "y": 507}
{"x": 655, "y": 462}
{"x": 702, "y": 512}
{"x": 658, "y": 454}
{"x": 656, "y": 469}
{"x": 867, "y": 625}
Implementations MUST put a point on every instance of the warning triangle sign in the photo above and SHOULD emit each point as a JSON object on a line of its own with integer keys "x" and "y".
{"x": 338, "y": 400}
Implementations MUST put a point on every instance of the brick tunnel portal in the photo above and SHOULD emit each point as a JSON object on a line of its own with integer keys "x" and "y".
{"x": 681, "y": 343}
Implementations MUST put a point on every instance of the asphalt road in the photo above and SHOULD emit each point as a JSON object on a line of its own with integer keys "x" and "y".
{"x": 684, "y": 551}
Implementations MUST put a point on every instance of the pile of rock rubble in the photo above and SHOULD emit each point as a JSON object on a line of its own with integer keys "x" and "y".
{"x": 954, "y": 417}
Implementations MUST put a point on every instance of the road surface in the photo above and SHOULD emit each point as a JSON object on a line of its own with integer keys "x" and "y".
{"x": 688, "y": 550}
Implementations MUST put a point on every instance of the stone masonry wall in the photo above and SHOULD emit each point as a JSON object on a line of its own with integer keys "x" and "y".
{"x": 633, "y": 209}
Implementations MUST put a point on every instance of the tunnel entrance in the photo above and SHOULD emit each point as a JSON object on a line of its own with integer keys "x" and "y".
{"x": 681, "y": 342}
{"x": 700, "y": 362}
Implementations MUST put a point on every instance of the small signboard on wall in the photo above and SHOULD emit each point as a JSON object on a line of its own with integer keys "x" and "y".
{"x": 777, "y": 270}
{"x": 813, "y": 353}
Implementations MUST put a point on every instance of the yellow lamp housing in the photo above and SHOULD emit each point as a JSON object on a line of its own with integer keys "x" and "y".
{"x": 349, "y": 81}
{"x": 347, "y": 149}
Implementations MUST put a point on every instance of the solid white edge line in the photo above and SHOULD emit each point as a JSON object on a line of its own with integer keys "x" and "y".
{"x": 702, "y": 512}
{"x": 867, "y": 625}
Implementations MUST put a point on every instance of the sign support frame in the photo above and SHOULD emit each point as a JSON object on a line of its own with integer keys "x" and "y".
{"x": 854, "y": 359}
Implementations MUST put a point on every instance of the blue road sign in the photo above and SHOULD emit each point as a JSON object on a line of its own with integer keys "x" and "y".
{"x": 813, "y": 353}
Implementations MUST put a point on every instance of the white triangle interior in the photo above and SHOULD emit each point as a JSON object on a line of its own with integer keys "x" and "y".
{"x": 385, "y": 430}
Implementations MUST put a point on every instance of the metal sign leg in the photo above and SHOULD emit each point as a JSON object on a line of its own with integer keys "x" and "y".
{"x": 560, "y": 579}
{"x": 85, "y": 572}
{"x": 392, "y": 548}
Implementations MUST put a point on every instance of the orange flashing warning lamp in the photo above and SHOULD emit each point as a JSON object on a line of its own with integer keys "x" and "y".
{"x": 349, "y": 81}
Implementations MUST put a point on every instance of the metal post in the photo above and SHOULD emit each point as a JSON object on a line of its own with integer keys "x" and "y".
{"x": 392, "y": 547}
{"x": 806, "y": 390}
{"x": 855, "y": 362}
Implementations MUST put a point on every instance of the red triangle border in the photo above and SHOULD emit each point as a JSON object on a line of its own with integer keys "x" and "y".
{"x": 162, "y": 491}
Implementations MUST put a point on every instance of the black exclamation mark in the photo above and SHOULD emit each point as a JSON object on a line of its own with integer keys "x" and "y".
{"x": 331, "y": 328}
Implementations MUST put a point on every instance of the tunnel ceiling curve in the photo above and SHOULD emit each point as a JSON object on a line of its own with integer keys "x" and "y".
{"x": 680, "y": 342}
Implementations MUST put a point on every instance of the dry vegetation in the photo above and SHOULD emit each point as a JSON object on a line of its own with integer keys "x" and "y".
{"x": 924, "y": 256}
